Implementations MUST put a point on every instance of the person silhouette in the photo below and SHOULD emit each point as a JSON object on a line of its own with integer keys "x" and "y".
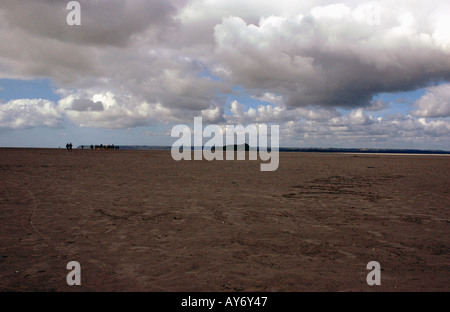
{"x": 70, "y": 145}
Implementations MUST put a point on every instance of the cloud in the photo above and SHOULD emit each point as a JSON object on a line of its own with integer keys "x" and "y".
{"x": 377, "y": 105}
{"x": 261, "y": 114}
{"x": 270, "y": 98}
{"x": 277, "y": 112}
{"x": 29, "y": 113}
{"x": 332, "y": 56}
{"x": 435, "y": 103}
{"x": 358, "y": 117}
{"x": 358, "y": 129}
{"x": 111, "y": 111}
{"x": 82, "y": 105}
{"x": 315, "y": 126}
{"x": 104, "y": 22}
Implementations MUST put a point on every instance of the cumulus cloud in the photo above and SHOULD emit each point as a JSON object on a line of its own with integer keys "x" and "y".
{"x": 240, "y": 114}
{"x": 82, "y": 105}
{"x": 328, "y": 127}
{"x": 435, "y": 103}
{"x": 29, "y": 113}
{"x": 359, "y": 129}
{"x": 331, "y": 56}
{"x": 107, "y": 110}
{"x": 377, "y": 105}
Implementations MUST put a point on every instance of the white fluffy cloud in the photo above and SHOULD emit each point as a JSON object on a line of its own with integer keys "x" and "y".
{"x": 29, "y": 113}
{"x": 107, "y": 110}
{"x": 435, "y": 103}
{"x": 310, "y": 126}
{"x": 357, "y": 129}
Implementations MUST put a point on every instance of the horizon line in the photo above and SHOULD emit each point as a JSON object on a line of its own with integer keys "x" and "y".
{"x": 281, "y": 148}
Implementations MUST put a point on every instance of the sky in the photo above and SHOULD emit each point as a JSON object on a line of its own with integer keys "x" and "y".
{"x": 368, "y": 74}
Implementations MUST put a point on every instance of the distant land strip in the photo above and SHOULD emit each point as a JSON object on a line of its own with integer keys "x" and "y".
{"x": 301, "y": 149}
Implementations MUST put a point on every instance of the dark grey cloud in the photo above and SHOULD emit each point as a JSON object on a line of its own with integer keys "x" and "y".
{"x": 103, "y": 22}
{"x": 83, "y": 105}
{"x": 332, "y": 58}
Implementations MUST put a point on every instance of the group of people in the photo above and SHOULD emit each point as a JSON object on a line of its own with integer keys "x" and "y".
{"x": 104, "y": 147}
{"x": 97, "y": 147}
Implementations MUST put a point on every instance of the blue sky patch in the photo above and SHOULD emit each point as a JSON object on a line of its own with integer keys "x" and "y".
{"x": 13, "y": 89}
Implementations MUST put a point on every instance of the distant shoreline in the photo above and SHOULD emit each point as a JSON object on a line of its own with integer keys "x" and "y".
{"x": 361, "y": 151}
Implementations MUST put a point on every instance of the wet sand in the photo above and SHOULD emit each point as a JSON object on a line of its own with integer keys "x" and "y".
{"x": 140, "y": 221}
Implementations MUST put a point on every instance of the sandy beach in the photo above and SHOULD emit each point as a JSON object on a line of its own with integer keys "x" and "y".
{"x": 140, "y": 221}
